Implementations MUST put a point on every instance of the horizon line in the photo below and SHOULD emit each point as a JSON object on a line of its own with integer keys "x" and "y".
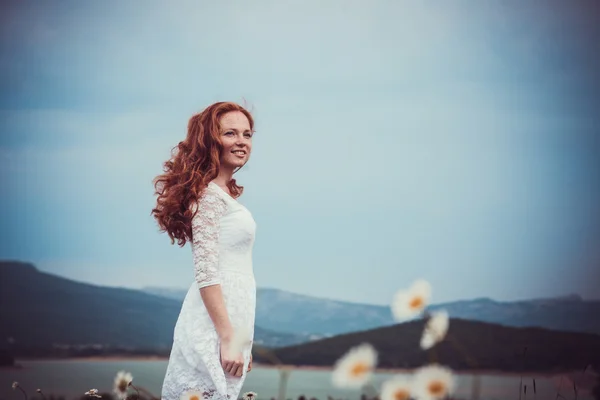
{"x": 147, "y": 287}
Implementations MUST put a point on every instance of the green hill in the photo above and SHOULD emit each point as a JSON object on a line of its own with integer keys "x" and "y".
{"x": 470, "y": 345}
{"x": 44, "y": 314}
{"x": 39, "y": 309}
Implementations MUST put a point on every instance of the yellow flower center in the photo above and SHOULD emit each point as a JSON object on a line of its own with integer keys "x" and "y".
{"x": 359, "y": 369}
{"x": 123, "y": 385}
{"x": 416, "y": 302}
{"x": 401, "y": 394}
{"x": 194, "y": 397}
{"x": 436, "y": 388}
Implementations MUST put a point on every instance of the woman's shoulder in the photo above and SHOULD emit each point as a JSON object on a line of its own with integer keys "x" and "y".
{"x": 211, "y": 189}
{"x": 211, "y": 198}
{"x": 218, "y": 191}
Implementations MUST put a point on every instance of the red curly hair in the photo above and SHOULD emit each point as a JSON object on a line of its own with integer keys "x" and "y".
{"x": 194, "y": 163}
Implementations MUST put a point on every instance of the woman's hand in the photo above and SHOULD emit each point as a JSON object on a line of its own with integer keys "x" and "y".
{"x": 250, "y": 364}
{"x": 232, "y": 364}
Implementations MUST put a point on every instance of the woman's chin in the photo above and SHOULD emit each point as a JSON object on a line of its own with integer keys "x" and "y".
{"x": 234, "y": 165}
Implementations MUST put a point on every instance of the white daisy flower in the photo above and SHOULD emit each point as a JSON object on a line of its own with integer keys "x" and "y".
{"x": 355, "y": 368}
{"x": 397, "y": 388}
{"x": 433, "y": 382}
{"x": 191, "y": 395}
{"x": 93, "y": 393}
{"x": 249, "y": 396}
{"x": 410, "y": 302}
{"x": 122, "y": 382}
{"x": 435, "y": 329}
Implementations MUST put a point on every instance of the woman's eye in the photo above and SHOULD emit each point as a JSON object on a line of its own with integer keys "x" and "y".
{"x": 248, "y": 135}
{"x": 229, "y": 133}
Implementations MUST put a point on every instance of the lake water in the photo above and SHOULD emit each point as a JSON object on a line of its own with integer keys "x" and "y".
{"x": 72, "y": 378}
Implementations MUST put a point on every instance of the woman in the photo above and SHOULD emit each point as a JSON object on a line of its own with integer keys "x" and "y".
{"x": 197, "y": 203}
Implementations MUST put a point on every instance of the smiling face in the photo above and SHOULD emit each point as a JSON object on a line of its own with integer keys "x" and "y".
{"x": 236, "y": 137}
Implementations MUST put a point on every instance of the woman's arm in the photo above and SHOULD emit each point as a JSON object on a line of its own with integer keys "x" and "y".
{"x": 212, "y": 296}
{"x": 205, "y": 245}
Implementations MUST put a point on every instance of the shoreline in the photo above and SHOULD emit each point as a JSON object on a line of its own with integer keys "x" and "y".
{"x": 406, "y": 371}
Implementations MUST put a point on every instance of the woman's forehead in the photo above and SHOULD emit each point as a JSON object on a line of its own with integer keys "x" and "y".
{"x": 235, "y": 120}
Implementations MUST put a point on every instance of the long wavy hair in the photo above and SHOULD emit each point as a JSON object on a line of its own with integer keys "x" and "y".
{"x": 194, "y": 163}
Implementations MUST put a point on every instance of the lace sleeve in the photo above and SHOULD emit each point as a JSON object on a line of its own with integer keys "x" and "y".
{"x": 205, "y": 239}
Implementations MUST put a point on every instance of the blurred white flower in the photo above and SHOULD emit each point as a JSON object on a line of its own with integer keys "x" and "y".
{"x": 122, "y": 382}
{"x": 397, "y": 388}
{"x": 433, "y": 382}
{"x": 239, "y": 341}
{"x": 93, "y": 393}
{"x": 15, "y": 385}
{"x": 435, "y": 329}
{"x": 411, "y": 302}
{"x": 355, "y": 368}
{"x": 191, "y": 395}
{"x": 249, "y": 396}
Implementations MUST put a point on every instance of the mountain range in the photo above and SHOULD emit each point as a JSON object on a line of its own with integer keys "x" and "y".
{"x": 38, "y": 309}
{"x": 295, "y": 313}
{"x": 41, "y": 310}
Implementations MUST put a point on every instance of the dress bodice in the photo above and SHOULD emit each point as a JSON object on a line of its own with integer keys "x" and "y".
{"x": 223, "y": 232}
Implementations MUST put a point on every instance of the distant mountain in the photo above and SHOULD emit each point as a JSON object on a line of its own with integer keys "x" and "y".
{"x": 295, "y": 313}
{"x": 269, "y": 338}
{"x": 41, "y": 310}
{"x": 569, "y": 313}
{"x": 170, "y": 293}
{"x": 37, "y": 308}
{"x": 300, "y": 314}
{"x": 469, "y": 345}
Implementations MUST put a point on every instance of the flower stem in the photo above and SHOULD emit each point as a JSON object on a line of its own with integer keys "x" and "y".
{"x": 284, "y": 374}
{"x": 136, "y": 389}
{"x": 21, "y": 389}
{"x": 147, "y": 393}
{"x": 369, "y": 387}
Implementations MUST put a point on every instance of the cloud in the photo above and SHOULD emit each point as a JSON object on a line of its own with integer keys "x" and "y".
{"x": 387, "y": 133}
{"x": 164, "y": 54}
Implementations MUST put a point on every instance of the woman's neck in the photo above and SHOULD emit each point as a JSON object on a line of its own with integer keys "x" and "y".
{"x": 225, "y": 175}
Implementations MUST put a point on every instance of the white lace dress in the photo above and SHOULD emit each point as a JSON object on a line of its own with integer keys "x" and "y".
{"x": 223, "y": 237}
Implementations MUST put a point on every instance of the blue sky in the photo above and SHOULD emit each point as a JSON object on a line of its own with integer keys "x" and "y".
{"x": 453, "y": 141}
